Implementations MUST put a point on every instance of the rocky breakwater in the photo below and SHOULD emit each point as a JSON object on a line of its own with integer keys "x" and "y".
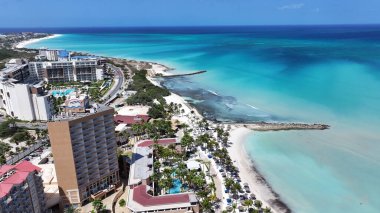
{"x": 264, "y": 126}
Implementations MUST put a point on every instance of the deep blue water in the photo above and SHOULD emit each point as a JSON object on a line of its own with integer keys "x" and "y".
{"x": 326, "y": 74}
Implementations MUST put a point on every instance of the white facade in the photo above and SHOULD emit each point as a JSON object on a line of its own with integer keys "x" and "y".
{"x": 18, "y": 101}
{"x": 99, "y": 74}
{"x": 42, "y": 107}
{"x": 51, "y": 55}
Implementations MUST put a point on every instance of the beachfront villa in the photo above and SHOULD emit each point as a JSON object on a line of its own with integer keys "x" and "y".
{"x": 140, "y": 187}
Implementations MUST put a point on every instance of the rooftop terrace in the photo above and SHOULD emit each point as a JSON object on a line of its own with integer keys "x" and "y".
{"x": 72, "y": 116}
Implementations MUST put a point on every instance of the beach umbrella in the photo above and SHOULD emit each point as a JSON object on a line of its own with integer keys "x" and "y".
{"x": 242, "y": 208}
{"x": 253, "y": 196}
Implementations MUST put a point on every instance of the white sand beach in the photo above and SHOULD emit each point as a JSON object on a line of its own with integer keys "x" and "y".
{"x": 247, "y": 173}
{"x": 159, "y": 69}
{"x": 30, "y": 41}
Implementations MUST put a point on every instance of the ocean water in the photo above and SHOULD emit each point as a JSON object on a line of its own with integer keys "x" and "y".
{"x": 313, "y": 74}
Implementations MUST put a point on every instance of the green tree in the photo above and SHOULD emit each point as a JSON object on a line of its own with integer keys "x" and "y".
{"x": 206, "y": 205}
{"x": 267, "y": 210}
{"x": 71, "y": 209}
{"x": 98, "y": 205}
{"x": 157, "y": 111}
{"x": 234, "y": 206}
{"x": 187, "y": 141}
{"x": 248, "y": 203}
{"x": 122, "y": 203}
{"x": 258, "y": 204}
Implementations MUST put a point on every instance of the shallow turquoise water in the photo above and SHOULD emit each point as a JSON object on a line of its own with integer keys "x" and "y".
{"x": 61, "y": 92}
{"x": 176, "y": 187}
{"x": 313, "y": 75}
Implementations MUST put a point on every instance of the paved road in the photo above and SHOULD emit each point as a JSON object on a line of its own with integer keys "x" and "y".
{"x": 117, "y": 87}
{"x": 217, "y": 180}
{"x": 34, "y": 125}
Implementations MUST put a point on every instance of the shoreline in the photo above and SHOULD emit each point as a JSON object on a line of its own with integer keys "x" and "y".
{"x": 261, "y": 189}
{"x": 23, "y": 44}
{"x": 250, "y": 174}
{"x": 247, "y": 170}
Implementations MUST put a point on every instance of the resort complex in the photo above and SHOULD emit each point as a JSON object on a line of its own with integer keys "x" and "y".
{"x": 98, "y": 134}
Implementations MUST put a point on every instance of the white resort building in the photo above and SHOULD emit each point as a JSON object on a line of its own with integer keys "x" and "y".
{"x": 64, "y": 71}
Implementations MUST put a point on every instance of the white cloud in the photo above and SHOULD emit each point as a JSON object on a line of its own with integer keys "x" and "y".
{"x": 292, "y": 6}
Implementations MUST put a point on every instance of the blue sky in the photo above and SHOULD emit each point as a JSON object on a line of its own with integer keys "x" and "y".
{"x": 77, "y": 13}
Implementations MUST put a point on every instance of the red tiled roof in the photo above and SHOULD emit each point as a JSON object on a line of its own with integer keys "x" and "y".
{"x": 5, "y": 189}
{"x": 131, "y": 119}
{"x": 164, "y": 141}
{"x": 17, "y": 178}
{"x": 141, "y": 196}
{"x": 22, "y": 171}
{"x": 5, "y": 168}
{"x": 26, "y": 166}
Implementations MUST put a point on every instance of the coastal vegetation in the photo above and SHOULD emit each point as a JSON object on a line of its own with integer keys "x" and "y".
{"x": 8, "y": 128}
{"x": 146, "y": 92}
{"x": 9, "y": 53}
{"x": 156, "y": 129}
{"x": 7, "y": 42}
{"x": 4, "y": 148}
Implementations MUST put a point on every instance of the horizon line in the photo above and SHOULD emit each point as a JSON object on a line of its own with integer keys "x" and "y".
{"x": 200, "y": 26}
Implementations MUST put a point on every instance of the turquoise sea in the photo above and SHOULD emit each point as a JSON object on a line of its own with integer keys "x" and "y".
{"x": 313, "y": 74}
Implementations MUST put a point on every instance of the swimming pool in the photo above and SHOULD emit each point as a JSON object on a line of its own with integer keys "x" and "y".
{"x": 61, "y": 93}
{"x": 177, "y": 184}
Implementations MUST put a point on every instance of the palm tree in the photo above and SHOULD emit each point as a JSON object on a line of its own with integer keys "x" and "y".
{"x": 211, "y": 144}
{"x": 12, "y": 122}
{"x": 190, "y": 177}
{"x": 234, "y": 206}
{"x": 228, "y": 182}
{"x": 212, "y": 186}
{"x": 38, "y": 134}
{"x": 156, "y": 165}
{"x": 98, "y": 205}
{"x": 219, "y": 133}
{"x": 71, "y": 209}
{"x": 248, "y": 203}
{"x": 202, "y": 140}
{"x": 198, "y": 182}
{"x": 181, "y": 171}
{"x": 267, "y": 210}
{"x": 258, "y": 204}
{"x": 187, "y": 141}
{"x": 206, "y": 205}
{"x": 44, "y": 133}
